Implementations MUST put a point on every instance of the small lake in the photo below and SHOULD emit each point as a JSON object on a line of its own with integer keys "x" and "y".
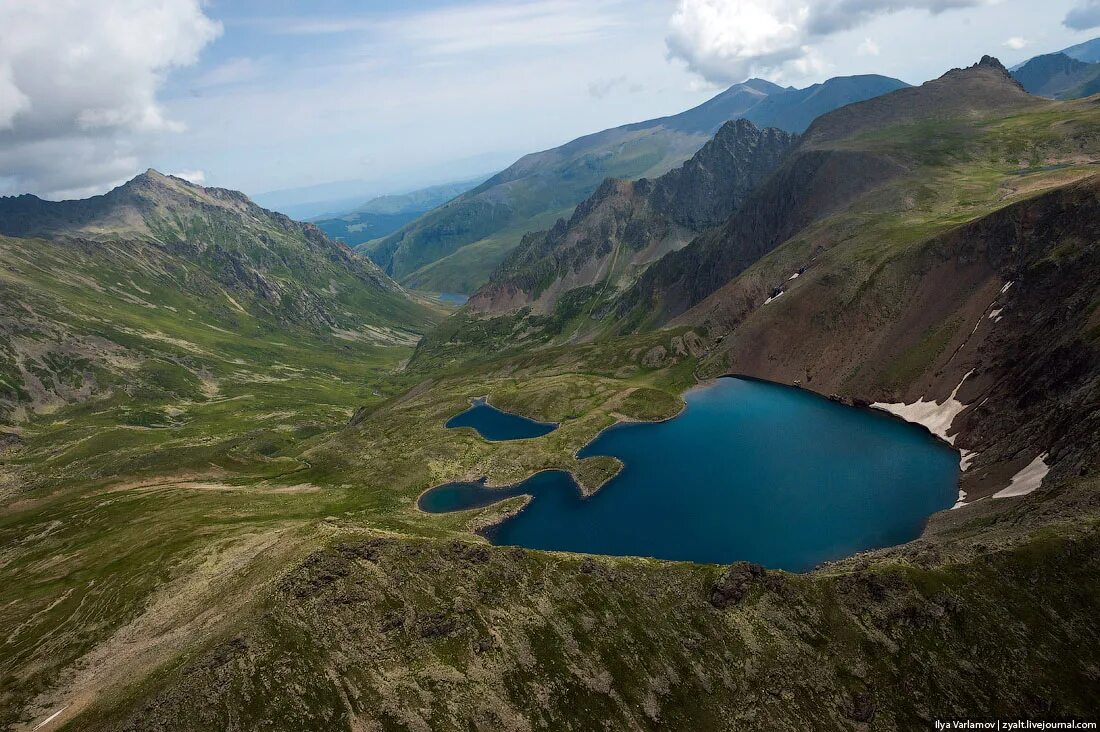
{"x": 495, "y": 425}
{"x": 750, "y": 470}
{"x": 453, "y": 298}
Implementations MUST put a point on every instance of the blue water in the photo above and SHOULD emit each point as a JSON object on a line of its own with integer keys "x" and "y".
{"x": 453, "y": 298}
{"x": 749, "y": 470}
{"x": 495, "y": 425}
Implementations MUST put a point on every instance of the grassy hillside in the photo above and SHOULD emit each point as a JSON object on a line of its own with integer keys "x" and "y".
{"x": 160, "y": 289}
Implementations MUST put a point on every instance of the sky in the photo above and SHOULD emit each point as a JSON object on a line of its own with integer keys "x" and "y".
{"x": 388, "y": 95}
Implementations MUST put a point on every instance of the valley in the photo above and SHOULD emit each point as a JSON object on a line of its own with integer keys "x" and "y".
{"x": 220, "y": 427}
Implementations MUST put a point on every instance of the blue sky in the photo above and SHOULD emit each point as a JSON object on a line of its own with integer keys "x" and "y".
{"x": 262, "y": 96}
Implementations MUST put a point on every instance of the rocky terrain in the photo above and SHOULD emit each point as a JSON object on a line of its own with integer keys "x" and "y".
{"x": 624, "y": 225}
{"x": 455, "y": 247}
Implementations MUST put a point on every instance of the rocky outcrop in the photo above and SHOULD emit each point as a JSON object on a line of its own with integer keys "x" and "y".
{"x": 808, "y": 187}
{"x": 735, "y": 583}
{"x": 623, "y": 226}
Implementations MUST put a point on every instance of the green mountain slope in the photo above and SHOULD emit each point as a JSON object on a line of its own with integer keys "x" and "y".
{"x": 832, "y": 169}
{"x": 160, "y": 285}
{"x": 493, "y": 217}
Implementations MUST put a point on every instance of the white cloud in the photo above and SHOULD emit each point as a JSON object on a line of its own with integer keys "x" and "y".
{"x": 726, "y": 41}
{"x": 78, "y": 85}
{"x": 197, "y": 177}
{"x": 1084, "y": 16}
{"x": 1016, "y": 43}
{"x": 869, "y": 47}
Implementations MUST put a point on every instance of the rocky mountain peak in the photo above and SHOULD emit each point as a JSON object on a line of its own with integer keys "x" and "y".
{"x": 989, "y": 68}
{"x": 994, "y": 63}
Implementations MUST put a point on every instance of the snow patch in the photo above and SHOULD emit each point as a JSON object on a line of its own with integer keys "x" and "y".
{"x": 936, "y": 417}
{"x": 995, "y": 315}
{"x": 962, "y": 500}
{"x": 794, "y": 276}
{"x": 1027, "y": 480}
{"x": 775, "y": 297}
{"x": 1005, "y": 288}
{"x": 966, "y": 457}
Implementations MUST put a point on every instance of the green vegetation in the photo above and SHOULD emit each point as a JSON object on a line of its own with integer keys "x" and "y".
{"x": 212, "y": 456}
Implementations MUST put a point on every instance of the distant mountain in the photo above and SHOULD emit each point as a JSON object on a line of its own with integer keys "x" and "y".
{"x": 386, "y": 214}
{"x": 823, "y": 176}
{"x": 455, "y": 247}
{"x": 620, "y": 229}
{"x": 879, "y": 154}
{"x": 1059, "y": 76}
{"x": 1089, "y": 51}
{"x": 794, "y": 110}
{"x": 160, "y": 281}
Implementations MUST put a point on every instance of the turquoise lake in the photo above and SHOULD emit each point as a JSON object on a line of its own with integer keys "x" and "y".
{"x": 495, "y": 425}
{"x": 749, "y": 470}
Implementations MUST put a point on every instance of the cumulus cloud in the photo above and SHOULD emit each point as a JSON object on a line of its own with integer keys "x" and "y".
{"x": 78, "y": 86}
{"x": 1084, "y": 16}
{"x": 726, "y": 41}
{"x": 1016, "y": 43}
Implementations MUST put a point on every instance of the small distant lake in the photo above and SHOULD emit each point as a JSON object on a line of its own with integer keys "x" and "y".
{"x": 749, "y": 470}
{"x": 453, "y": 298}
{"x": 496, "y": 425}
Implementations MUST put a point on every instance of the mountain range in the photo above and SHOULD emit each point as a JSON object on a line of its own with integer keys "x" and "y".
{"x": 385, "y": 214}
{"x": 218, "y": 423}
{"x": 1059, "y": 76}
{"x": 453, "y": 248}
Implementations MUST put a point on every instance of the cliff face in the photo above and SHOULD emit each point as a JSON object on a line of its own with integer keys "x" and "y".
{"x": 808, "y": 187}
{"x": 1000, "y": 313}
{"x": 624, "y": 226}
